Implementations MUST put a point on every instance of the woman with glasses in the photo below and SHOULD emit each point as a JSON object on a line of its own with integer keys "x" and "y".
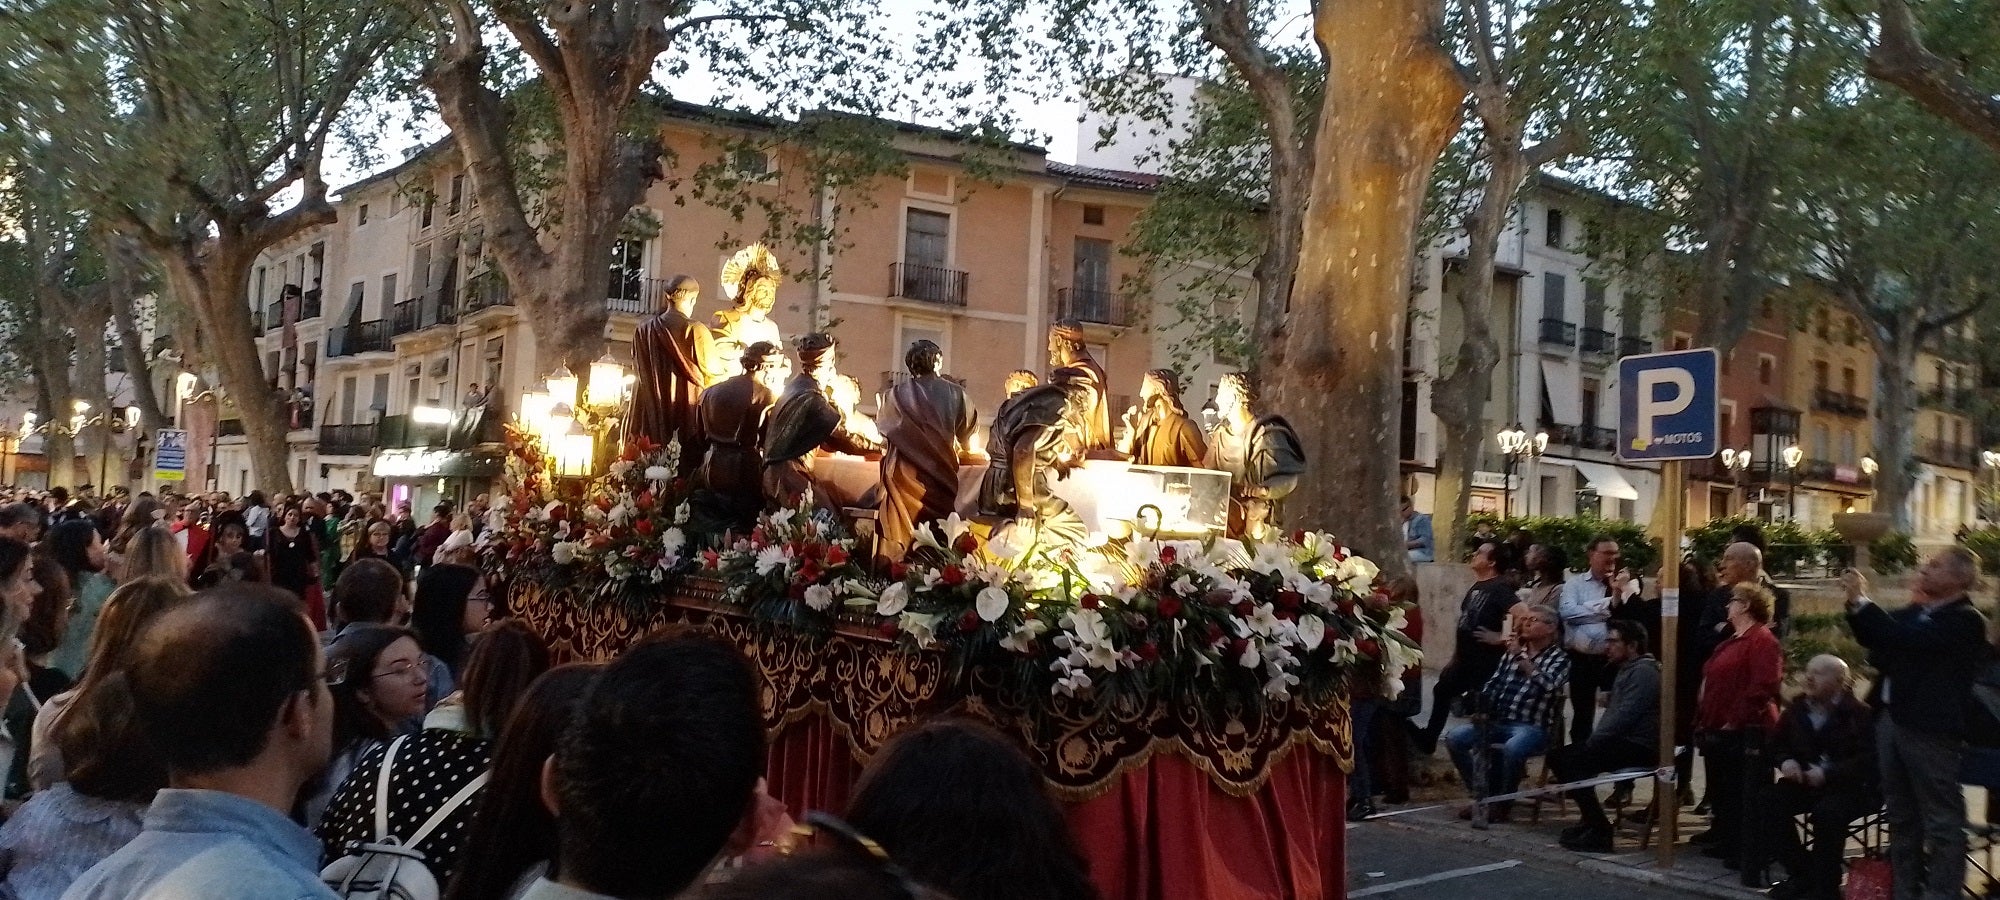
{"x": 434, "y": 766}
{"x": 380, "y": 683}
{"x": 452, "y": 605}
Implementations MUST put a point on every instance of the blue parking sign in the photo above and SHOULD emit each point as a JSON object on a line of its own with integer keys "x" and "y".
{"x": 1667, "y": 406}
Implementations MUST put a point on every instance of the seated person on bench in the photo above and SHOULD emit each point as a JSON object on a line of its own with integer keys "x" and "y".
{"x": 1626, "y": 736}
{"x": 1518, "y": 701}
{"x": 1824, "y": 748}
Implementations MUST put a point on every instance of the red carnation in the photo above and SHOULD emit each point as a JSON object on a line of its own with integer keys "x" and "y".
{"x": 1345, "y": 605}
{"x": 968, "y": 621}
{"x": 1290, "y": 600}
{"x": 1168, "y": 555}
{"x": 1149, "y": 651}
{"x": 836, "y": 556}
{"x": 1298, "y": 535}
{"x": 953, "y": 576}
{"x": 1237, "y": 646}
{"x": 1245, "y": 609}
{"x": 898, "y": 571}
{"x": 711, "y": 559}
{"x": 1090, "y": 601}
{"x": 643, "y": 526}
{"x": 559, "y": 513}
{"x": 1368, "y": 648}
{"x": 796, "y": 590}
{"x": 1214, "y": 632}
{"x": 604, "y": 504}
{"x": 966, "y": 543}
{"x": 809, "y": 572}
{"x": 1170, "y": 607}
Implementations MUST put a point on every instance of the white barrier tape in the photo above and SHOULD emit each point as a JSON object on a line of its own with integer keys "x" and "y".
{"x": 1664, "y": 775}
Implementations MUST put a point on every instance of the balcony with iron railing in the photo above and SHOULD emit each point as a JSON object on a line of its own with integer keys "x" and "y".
{"x": 419, "y": 313}
{"x": 1565, "y": 435}
{"x": 1558, "y": 333}
{"x": 483, "y": 292}
{"x": 363, "y": 337}
{"x": 346, "y": 440}
{"x": 1634, "y": 346}
{"x": 1597, "y": 341}
{"x": 1946, "y": 453}
{"x": 1594, "y": 437}
{"x": 929, "y": 284}
{"x": 1840, "y": 403}
{"x": 1946, "y": 399}
{"x": 1091, "y": 306}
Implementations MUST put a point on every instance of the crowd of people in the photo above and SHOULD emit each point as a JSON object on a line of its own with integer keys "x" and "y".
{"x": 1534, "y": 641}
{"x": 185, "y": 721}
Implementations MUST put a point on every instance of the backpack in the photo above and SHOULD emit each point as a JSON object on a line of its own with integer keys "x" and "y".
{"x": 388, "y": 868}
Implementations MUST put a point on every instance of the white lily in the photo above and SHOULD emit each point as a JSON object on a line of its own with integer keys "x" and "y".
{"x": 683, "y": 513}
{"x": 921, "y": 627}
{"x": 1022, "y": 638}
{"x": 953, "y": 527}
{"x": 1312, "y": 632}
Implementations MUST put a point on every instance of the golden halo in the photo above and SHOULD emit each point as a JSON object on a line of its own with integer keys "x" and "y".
{"x": 754, "y": 261}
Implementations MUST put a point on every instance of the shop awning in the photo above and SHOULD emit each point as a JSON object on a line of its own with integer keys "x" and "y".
{"x": 1606, "y": 480}
{"x": 1565, "y": 398}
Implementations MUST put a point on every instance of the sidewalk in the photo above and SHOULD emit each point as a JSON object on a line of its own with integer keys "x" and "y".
{"x": 1692, "y": 874}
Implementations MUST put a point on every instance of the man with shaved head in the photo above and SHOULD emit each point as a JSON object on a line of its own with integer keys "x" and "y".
{"x": 1927, "y": 653}
{"x": 1824, "y": 751}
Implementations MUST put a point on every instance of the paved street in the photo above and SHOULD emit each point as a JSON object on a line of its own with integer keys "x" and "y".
{"x": 1395, "y": 863}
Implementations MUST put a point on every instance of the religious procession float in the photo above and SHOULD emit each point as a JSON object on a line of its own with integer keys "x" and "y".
{"x": 1120, "y": 601}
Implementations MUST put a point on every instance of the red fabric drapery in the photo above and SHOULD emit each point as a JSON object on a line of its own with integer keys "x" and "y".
{"x": 1162, "y": 832}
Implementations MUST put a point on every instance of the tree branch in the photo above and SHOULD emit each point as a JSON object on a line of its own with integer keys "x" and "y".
{"x": 1900, "y": 58}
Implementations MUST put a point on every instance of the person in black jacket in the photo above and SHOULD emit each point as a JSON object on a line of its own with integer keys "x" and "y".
{"x": 1824, "y": 752}
{"x": 1479, "y": 641}
{"x": 1927, "y": 654}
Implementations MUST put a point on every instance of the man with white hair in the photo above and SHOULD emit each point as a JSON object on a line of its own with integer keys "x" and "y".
{"x": 1824, "y": 752}
{"x": 1927, "y": 653}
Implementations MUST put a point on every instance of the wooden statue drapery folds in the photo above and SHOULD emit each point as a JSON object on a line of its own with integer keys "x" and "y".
{"x": 673, "y": 358}
{"x": 733, "y": 415}
{"x": 803, "y": 421}
{"x": 1071, "y": 361}
{"x": 1160, "y": 433}
{"x": 1262, "y": 455}
{"x": 926, "y": 423}
{"x": 1034, "y": 432}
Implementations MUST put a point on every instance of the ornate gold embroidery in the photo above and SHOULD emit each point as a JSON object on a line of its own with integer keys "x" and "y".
{"x": 869, "y": 688}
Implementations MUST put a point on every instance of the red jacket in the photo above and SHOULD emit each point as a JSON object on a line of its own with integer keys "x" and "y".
{"x": 1739, "y": 684}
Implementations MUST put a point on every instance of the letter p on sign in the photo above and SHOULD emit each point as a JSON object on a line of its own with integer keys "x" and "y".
{"x": 1667, "y": 406}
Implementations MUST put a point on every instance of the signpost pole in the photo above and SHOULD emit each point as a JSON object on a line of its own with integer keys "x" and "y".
{"x": 1666, "y": 801}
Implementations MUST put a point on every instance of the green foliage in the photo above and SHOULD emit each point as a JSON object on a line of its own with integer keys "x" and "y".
{"x": 1984, "y": 543}
{"x": 1788, "y": 548}
{"x": 1893, "y": 552}
{"x": 1572, "y": 534}
{"x": 1815, "y": 633}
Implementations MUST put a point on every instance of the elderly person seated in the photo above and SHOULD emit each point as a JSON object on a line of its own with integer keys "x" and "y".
{"x": 1625, "y": 737}
{"x": 1824, "y": 751}
{"x": 1518, "y": 702}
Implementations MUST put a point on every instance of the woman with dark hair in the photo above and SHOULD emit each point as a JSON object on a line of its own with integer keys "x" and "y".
{"x": 451, "y": 605}
{"x": 77, "y": 548}
{"x": 368, "y": 592}
{"x": 256, "y": 515}
{"x": 291, "y": 552}
{"x": 505, "y": 659}
{"x": 436, "y": 765}
{"x": 41, "y": 634}
{"x": 127, "y": 612}
{"x": 229, "y": 556}
{"x": 376, "y": 541}
{"x": 513, "y": 834}
{"x": 143, "y": 512}
{"x": 380, "y": 690}
{"x": 967, "y": 813}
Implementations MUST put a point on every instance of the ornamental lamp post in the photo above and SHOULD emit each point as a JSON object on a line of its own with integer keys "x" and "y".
{"x": 1516, "y": 445}
{"x": 1735, "y": 462}
{"x": 1792, "y": 456}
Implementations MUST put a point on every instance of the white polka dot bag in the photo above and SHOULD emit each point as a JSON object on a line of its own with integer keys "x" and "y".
{"x": 388, "y": 868}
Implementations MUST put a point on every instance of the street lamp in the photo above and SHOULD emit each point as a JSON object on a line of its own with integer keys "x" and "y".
{"x": 1735, "y": 462}
{"x": 1516, "y": 445}
{"x": 1792, "y": 456}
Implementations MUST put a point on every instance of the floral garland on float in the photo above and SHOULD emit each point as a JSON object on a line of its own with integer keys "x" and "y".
{"x": 1288, "y": 620}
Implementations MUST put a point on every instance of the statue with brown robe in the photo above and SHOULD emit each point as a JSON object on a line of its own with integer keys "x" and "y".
{"x": 1070, "y": 360}
{"x": 927, "y": 424}
{"x": 1262, "y": 455}
{"x": 733, "y": 416}
{"x": 1162, "y": 434}
{"x": 672, "y": 361}
{"x": 805, "y": 421}
{"x": 1035, "y": 433}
